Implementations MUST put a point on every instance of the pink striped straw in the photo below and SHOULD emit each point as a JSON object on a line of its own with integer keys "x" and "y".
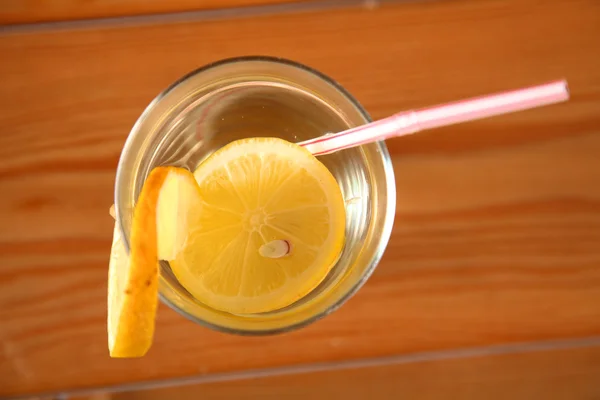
{"x": 412, "y": 121}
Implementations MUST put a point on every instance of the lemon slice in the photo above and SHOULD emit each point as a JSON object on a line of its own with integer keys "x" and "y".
{"x": 133, "y": 278}
{"x": 271, "y": 227}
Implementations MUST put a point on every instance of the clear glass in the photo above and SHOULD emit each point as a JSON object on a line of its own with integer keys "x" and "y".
{"x": 252, "y": 97}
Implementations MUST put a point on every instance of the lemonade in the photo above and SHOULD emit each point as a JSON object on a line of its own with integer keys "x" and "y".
{"x": 293, "y": 237}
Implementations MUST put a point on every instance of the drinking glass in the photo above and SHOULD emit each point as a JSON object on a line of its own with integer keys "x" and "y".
{"x": 253, "y": 97}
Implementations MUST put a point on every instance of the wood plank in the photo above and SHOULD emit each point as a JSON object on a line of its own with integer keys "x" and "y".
{"x": 36, "y": 11}
{"x": 498, "y": 222}
{"x": 550, "y": 375}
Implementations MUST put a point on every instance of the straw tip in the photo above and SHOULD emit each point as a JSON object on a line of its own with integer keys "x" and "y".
{"x": 564, "y": 87}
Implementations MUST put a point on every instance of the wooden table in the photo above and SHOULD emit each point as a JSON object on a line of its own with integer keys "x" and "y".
{"x": 490, "y": 287}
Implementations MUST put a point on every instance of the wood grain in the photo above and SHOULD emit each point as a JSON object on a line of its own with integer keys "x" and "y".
{"x": 497, "y": 225}
{"x": 35, "y": 11}
{"x": 573, "y": 375}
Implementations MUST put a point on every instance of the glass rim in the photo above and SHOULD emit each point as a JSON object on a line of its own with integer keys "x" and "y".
{"x": 389, "y": 215}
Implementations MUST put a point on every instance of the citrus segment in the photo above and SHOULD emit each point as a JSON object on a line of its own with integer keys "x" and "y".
{"x": 169, "y": 201}
{"x": 133, "y": 279}
{"x": 254, "y": 192}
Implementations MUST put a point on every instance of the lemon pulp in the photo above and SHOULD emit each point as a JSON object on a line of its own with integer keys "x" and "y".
{"x": 253, "y": 194}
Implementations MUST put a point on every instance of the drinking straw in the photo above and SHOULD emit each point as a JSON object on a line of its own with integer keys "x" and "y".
{"x": 408, "y": 122}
